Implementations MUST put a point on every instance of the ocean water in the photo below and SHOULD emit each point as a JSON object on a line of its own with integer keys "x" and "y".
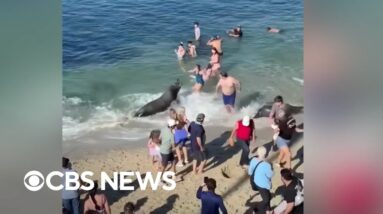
{"x": 119, "y": 55}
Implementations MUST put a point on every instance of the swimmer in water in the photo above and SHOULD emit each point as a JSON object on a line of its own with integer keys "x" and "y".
{"x": 236, "y": 32}
{"x": 180, "y": 51}
{"x": 273, "y": 30}
{"x": 192, "y": 49}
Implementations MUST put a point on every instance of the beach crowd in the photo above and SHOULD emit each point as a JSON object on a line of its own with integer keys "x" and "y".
{"x": 181, "y": 142}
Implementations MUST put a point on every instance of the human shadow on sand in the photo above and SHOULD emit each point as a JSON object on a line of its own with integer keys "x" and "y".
{"x": 168, "y": 206}
{"x": 219, "y": 152}
{"x": 115, "y": 195}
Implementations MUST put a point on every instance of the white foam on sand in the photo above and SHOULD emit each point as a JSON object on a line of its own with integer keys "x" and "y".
{"x": 105, "y": 116}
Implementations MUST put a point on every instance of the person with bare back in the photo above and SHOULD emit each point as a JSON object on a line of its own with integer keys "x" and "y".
{"x": 229, "y": 86}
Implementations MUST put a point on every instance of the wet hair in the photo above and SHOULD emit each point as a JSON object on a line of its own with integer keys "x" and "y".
{"x": 278, "y": 99}
{"x": 129, "y": 208}
{"x": 224, "y": 74}
{"x": 196, "y": 23}
{"x": 65, "y": 163}
{"x": 155, "y": 134}
{"x": 92, "y": 193}
{"x": 190, "y": 42}
{"x": 287, "y": 175}
{"x": 268, "y": 28}
{"x": 211, "y": 184}
{"x": 198, "y": 67}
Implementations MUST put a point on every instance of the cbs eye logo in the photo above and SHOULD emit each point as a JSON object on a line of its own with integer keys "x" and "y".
{"x": 34, "y": 180}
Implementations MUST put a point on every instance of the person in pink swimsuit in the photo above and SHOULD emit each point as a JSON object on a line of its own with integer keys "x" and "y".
{"x": 214, "y": 64}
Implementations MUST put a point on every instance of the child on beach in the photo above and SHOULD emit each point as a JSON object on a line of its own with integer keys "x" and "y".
{"x": 154, "y": 148}
{"x": 180, "y": 138}
{"x": 182, "y": 116}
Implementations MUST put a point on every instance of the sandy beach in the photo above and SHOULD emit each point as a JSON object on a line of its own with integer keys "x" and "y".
{"x": 232, "y": 181}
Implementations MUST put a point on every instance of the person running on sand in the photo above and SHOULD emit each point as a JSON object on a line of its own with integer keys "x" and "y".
{"x": 214, "y": 64}
{"x": 154, "y": 148}
{"x": 216, "y": 42}
{"x": 180, "y": 138}
{"x": 96, "y": 201}
{"x": 286, "y": 128}
{"x": 197, "y": 139}
{"x": 229, "y": 85}
{"x": 211, "y": 202}
{"x": 244, "y": 133}
{"x": 167, "y": 146}
{"x": 273, "y": 30}
{"x": 180, "y": 51}
{"x": 236, "y": 32}
{"x": 192, "y": 49}
{"x": 261, "y": 173}
{"x": 197, "y": 31}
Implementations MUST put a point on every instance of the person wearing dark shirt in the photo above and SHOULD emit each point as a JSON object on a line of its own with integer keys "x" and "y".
{"x": 197, "y": 139}
{"x": 211, "y": 202}
{"x": 286, "y": 128}
{"x": 289, "y": 191}
{"x": 236, "y": 32}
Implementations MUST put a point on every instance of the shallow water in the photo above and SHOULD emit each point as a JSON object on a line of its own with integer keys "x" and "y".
{"x": 119, "y": 54}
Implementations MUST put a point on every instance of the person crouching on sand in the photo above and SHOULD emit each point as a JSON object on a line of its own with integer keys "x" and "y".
{"x": 211, "y": 202}
{"x": 154, "y": 148}
{"x": 229, "y": 86}
{"x": 244, "y": 132}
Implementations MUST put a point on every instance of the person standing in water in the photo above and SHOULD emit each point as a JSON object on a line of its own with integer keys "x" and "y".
{"x": 197, "y": 31}
{"x": 180, "y": 51}
{"x": 216, "y": 42}
{"x": 199, "y": 78}
{"x": 214, "y": 64}
{"x": 236, "y": 32}
{"x": 229, "y": 86}
{"x": 192, "y": 49}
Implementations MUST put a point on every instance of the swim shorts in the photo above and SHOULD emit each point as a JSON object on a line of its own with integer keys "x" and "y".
{"x": 229, "y": 99}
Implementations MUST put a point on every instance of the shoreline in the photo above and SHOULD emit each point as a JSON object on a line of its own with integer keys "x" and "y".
{"x": 133, "y": 156}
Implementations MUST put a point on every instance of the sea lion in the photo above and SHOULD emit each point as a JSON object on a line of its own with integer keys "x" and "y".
{"x": 162, "y": 103}
{"x": 265, "y": 110}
